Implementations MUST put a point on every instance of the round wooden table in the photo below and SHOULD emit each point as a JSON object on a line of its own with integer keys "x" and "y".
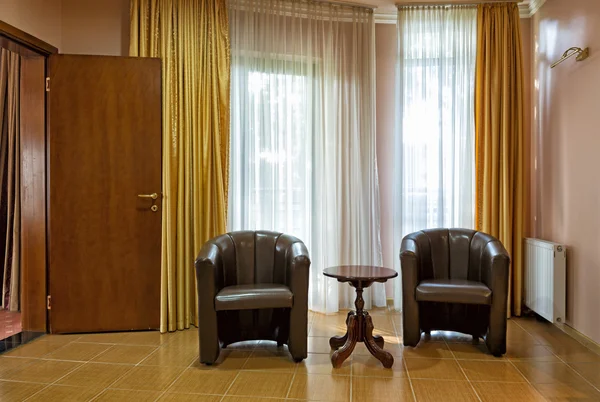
{"x": 359, "y": 322}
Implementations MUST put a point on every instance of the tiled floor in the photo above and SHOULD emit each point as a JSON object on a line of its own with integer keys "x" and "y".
{"x": 10, "y": 323}
{"x": 542, "y": 363}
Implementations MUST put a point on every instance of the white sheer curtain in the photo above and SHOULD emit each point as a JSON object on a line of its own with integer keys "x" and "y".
{"x": 303, "y": 134}
{"x": 435, "y": 141}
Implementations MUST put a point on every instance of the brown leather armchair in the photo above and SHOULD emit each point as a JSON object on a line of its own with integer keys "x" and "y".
{"x": 252, "y": 285}
{"x": 455, "y": 280}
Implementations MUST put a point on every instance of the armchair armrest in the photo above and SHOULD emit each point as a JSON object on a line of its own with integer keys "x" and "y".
{"x": 495, "y": 268}
{"x": 208, "y": 264}
{"x": 494, "y": 273}
{"x": 409, "y": 265}
{"x": 297, "y": 267}
{"x": 297, "y": 274}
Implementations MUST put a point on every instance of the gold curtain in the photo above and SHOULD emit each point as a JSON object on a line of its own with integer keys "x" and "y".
{"x": 499, "y": 139}
{"x": 192, "y": 39}
{"x": 10, "y": 178}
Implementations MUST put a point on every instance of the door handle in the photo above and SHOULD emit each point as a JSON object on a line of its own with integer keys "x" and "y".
{"x": 154, "y": 196}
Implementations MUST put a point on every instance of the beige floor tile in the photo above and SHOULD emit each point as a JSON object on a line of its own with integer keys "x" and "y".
{"x": 43, "y": 371}
{"x": 327, "y": 330}
{"x": 516, "y": 334}
{"x": 127, "y": 395}
{"x": 195, "y": 381}
{"x": 255, "y": 383}
{"x": 249, "y": 399}
{"x": 63, "y": 393}
{"x": 148, "y": 378}
{"x": 589, "y": 371}
{"x": 381, "y": 389}
{"x": 95, "y": 374}
{"x": 383, "y": 323}
{"x": 568, "y": 392}
{"x": 185, "y": 338}
{"x": 369, "y": 366}
{"x": 572, "y": 351}
{"x": 107, "y": 337}
{"x": 229, "y": 360}
{"x": 466, "y": 351}
{"x": 34, "y": 349}
{"x": 318, "y": 345}
{"x": 60, "y": 338}
{"x": 431, "y": 350}
{"x": 245, "y": 345}
{"x": 548, "y": 373}
{"x": 146, "y": 338}
{"x": 266, "y": 360}
{"x": 506, "y": 392}
{"x": 490, "y": 371}
{"x": 9, "y": 364}
{"x": 126, "y": 354}
{"x": 456, "y": 337}
{"x": 77, "y": 351}
{"x": 524, "y": 352}
{"x": 172, "y": 355}
{"x": 447, "y": 391}
{"x": 17, "y": 391}
{"x": 317, "y": 387}
{"x": 317, "y": 363}
{"x": 174, "y": 397}
{"x": 434, "y": 369}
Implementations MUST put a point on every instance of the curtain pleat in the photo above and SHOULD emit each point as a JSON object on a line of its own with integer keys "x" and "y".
{"x": 499, "y": 125}
{"x": 435, "y": 142}
{"x": 10, "y": 177}
{"x": 303, "y": 149}
{"x": 192, "y": 39}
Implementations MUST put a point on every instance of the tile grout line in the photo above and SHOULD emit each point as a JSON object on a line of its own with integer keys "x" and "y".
{"x": 58, "y": 379}
{"x": 462, "y": 370}
{"x": 230, "y": 385}
{"x": 560, "y": 359}
{"x": 287, "y": 394}
{"x": 401, "y": 344}
{"x": 175, "y": 380}
{"x": 412, "y": 388}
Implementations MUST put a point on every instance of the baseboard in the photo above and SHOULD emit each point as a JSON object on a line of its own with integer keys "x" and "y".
{"x": 579, "y": 337}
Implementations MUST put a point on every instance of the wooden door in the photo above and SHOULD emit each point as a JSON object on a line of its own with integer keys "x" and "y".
{"x": 104, "y": 151}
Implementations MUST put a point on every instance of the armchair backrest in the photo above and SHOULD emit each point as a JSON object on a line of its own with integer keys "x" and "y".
{"x": 450, "y": 253}
{"x": 252, "y": 257}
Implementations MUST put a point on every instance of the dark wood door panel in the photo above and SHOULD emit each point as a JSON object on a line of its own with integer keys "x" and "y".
{"x": 104, "y": 149}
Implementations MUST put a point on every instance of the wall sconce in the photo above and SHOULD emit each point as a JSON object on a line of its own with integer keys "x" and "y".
{"x": 582, "y": 54}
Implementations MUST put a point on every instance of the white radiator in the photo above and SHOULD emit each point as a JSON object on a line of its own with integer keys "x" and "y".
{"x": 546, "y": 279}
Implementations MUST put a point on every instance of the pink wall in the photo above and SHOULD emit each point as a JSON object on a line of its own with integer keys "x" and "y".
{"x": 385, "y": 51}
{"x": 566, "y": 145}
{"x": 95, "y": 27}
{"x": 40, "y": 18}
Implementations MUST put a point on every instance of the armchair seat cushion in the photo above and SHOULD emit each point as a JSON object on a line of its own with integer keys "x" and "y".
{"x": 255, "y": 296}
{"x": 453, "y": 291}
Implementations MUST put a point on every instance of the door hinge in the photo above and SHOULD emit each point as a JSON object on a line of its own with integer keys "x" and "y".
{"x": 49, "y": 302}
{"x": 47, "y": 84}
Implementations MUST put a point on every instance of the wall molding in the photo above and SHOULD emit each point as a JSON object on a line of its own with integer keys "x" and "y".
{"x": 526, "y": 10}
{"x": 579, "y": 337}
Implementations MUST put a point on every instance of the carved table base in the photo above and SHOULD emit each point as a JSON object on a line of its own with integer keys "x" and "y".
{"x": 360, "y": 329}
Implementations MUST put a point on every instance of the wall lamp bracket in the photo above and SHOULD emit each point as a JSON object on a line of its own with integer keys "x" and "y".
{"x": 581, "y": 54}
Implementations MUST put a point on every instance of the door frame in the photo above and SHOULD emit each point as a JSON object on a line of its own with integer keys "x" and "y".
{"x": 34, "y": 259}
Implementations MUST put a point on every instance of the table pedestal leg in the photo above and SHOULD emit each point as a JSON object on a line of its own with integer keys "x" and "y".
{"x": 360, "y": 329}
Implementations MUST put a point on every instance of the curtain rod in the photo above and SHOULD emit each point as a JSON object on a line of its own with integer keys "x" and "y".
{"x": 347, "y": 4}
{"x": 462, "y": 3}
{"x": 334, "y": 3}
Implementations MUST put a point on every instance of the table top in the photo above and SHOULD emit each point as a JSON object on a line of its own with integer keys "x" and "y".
{"x": 360, "y": 272}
